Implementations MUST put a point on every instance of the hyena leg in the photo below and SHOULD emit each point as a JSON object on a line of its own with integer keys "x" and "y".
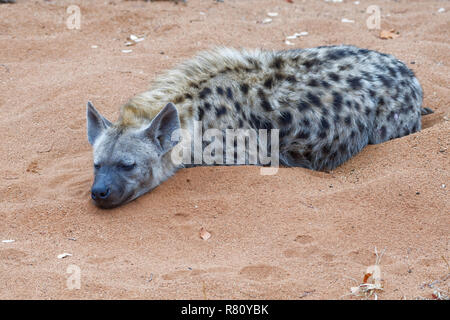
{"x": 425, "y": 111}
{"x": 395, "y": 122}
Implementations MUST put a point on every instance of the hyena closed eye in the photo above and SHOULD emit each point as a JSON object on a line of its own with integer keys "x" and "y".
{"x": 327, "y": 103}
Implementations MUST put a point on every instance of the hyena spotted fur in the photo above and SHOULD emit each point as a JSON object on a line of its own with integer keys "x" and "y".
{"x": 327, "y": 102}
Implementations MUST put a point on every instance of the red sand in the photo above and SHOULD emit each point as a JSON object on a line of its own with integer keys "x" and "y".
{"x": 298, "y": 234}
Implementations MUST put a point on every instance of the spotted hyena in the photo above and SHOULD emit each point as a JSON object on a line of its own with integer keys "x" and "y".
{"x": 327, "y": 103}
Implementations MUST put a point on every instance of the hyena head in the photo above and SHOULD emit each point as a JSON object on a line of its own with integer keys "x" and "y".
{"x": 129, "y": 162}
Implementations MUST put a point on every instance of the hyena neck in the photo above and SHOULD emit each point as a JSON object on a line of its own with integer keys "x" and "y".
{"x": 142, "y": 108}
{"x": 182, "y": 86}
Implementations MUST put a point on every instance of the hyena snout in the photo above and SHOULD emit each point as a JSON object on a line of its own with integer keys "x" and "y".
{"x": 106, "y": 193}
{"x": 100, "y": 192}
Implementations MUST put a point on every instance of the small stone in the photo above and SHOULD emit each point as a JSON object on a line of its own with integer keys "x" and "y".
{"x": 345, "y": 20}
{"x": 204, "y": 234}
{"x": 64, "y": 255}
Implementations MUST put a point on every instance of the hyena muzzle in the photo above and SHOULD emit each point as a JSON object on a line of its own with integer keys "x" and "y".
{"x": 327, "y": 103}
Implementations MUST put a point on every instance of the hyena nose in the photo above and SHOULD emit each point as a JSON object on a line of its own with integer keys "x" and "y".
{"x": 101, "y": 192}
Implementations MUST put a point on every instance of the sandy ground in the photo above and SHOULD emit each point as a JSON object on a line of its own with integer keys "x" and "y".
{"x": 296, "y": 235}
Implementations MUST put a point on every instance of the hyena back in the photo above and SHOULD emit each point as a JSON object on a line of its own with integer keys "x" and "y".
{"x": 327, "y": 102}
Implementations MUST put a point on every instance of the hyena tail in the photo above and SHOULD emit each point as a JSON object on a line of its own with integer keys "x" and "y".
{"x": 426, "y": 111}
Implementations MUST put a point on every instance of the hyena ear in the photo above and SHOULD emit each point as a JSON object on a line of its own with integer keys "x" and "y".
{"x": 96, "y": 123}
{"x": 162, "y": 127}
